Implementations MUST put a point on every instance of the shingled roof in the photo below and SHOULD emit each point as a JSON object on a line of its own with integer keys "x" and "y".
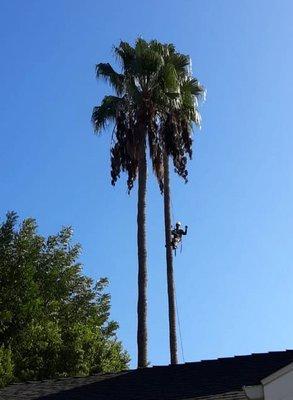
{"x": 196, "y": 380}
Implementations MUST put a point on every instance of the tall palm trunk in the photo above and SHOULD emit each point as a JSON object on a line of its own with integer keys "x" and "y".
{"x": 142, "y": 256}
{"x": 169, "y": 259}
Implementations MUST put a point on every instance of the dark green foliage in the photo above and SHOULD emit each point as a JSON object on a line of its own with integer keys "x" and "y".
{"x": 54, "y": 320}
{"x": 6, "y": 366}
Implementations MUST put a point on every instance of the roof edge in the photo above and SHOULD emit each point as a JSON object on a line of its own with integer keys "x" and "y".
{"x": 277, "y": 374}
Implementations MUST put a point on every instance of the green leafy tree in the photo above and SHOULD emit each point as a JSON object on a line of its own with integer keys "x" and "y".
{"x": 53, "y": 320}
{"x": 144, "y": 89}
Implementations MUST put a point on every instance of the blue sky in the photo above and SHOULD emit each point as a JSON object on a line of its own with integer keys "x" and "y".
{"x": 234, "y": 277}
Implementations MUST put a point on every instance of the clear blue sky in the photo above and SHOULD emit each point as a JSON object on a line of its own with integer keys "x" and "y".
{"x": 235, "y": 275}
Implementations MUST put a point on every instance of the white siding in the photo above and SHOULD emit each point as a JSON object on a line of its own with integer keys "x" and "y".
{"x": 280, "y": 388}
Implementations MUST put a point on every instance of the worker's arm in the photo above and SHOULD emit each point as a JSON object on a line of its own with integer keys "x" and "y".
{"x": 185, "y": 232}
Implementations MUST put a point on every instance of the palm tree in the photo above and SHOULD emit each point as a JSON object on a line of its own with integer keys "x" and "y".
{"x": 146, "y": 85}
{"x": 176, "y": 135}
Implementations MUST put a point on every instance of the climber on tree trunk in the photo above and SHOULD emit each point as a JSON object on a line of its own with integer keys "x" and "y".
{"x": 176, "y": 235}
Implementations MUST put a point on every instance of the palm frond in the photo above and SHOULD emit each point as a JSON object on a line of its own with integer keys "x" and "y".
{"x": 170, "y": 79}
{"x": 155, "y": 89}
{"x": 148, "y": 61}
{"x": 160, "y": 48}
{"x": 180, "y": 63}
{"x": 106, "y": 112}
{"x": 126, "y": 55}
{"x": 105, "y": 71}
{"x": 194, "y": 87}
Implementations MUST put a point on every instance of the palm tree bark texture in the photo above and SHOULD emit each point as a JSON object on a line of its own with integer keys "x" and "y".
{"x": 142, "y": 255}
{"x": 169, "y": 259}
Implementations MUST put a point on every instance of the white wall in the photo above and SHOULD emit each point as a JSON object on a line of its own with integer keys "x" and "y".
{"x": 280, "y": 388}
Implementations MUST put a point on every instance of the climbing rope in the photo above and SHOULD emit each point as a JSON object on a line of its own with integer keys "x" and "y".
{"x": 179, "y": 327}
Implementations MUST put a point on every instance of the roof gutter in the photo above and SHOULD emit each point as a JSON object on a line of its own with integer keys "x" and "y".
{"x": 255, "y": 392}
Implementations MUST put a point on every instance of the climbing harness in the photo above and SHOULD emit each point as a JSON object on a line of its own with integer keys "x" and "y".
{"x": 176, "y": 236}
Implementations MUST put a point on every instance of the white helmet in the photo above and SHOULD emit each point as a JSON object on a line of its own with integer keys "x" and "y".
{"x": 178, "y": 223}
